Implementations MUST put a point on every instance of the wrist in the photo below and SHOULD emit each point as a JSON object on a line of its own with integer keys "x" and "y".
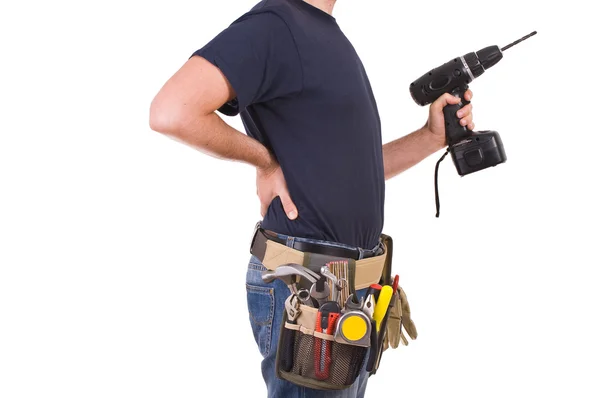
{"x": 268, "y": 164}
{"x": 430, "y": 140}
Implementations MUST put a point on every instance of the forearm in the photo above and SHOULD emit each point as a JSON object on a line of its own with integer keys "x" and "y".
{"x": 403, "y": 153}
{"x": 185, "y": 110}
{"x": 211, "y": 135}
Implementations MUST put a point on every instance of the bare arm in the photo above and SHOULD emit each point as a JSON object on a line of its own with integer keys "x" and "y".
{"x": 184, "y": 109}
{"x": 403, "y": 153}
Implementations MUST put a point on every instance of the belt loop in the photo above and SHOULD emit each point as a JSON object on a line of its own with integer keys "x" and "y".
{"x": 290, "y": 241}
{"x": 379, "y": 249}
{"x": 361, "y": 253}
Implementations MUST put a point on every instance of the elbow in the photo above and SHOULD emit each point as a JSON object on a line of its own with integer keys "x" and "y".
{"x": 163, "y": 119}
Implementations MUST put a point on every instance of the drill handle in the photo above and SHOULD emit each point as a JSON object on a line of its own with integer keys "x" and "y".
{"x": 454, "y": 131}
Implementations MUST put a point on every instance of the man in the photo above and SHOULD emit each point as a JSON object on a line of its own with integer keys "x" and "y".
{"x": 312, "y": 133}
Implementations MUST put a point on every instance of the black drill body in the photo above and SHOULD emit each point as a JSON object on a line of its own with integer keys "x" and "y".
{"x": 471, "y": 151}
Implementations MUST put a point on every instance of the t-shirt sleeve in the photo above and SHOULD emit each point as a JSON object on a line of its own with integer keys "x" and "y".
{"x": 259, "y": 57}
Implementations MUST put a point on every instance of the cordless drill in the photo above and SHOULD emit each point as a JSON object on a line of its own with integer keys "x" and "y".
{"x": 471, "y": 150}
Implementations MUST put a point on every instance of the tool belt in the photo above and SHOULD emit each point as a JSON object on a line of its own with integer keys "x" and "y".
{"x": 329, "y": 331}
{"x": 273, "y": 252}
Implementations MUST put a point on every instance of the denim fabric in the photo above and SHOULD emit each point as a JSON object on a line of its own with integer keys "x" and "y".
{"x": 266, "y": 304}
{"x": 363, "y": 252}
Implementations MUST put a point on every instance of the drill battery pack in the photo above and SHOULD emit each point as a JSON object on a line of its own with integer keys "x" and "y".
{"x": 481, "y": 150}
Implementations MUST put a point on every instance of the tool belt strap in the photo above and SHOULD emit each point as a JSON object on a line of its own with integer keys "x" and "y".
{"x": 368, "y": 271}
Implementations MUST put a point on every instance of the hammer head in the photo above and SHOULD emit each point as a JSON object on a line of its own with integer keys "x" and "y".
{"x": 269, "y": 276}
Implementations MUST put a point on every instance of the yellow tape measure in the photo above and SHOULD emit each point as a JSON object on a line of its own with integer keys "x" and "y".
{"x": 354, "y": 328}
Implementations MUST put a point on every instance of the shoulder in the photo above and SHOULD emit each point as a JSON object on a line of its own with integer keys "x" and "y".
{"x": 270, "y": 14}
{"x": 274, "y": 6}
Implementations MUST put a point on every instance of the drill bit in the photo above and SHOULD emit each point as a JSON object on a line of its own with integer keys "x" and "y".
{"x": 518, "y": 41}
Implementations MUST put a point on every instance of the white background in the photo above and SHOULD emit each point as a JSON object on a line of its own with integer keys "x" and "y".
{"x": 123, "y": 253}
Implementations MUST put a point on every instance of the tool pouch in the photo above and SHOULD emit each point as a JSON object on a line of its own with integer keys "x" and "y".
{"x": 314, "y": 360}
{"x": 397, "y": 321}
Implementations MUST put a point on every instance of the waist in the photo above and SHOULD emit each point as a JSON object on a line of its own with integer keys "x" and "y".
{"x": 365, "y": 266}
{"x": 335, "y": 228}
{"x": 325, "y": 247}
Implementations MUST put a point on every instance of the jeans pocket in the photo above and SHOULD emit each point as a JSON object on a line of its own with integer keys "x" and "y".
{"x": 261, "y": 309}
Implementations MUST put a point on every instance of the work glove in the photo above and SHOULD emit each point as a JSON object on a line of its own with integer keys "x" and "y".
{"x": 399, "y": 320}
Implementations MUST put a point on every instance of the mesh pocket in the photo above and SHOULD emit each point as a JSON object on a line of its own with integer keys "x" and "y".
{"x": 300, "y": 355}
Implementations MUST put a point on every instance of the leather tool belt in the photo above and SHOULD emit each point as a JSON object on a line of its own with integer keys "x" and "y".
{"x": 272, "y": 251}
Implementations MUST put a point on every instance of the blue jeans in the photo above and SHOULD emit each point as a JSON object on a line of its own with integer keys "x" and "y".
{"x": 266, "y": 304}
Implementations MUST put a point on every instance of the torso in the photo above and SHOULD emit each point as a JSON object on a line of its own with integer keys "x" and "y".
{"x": 327, "y": 138}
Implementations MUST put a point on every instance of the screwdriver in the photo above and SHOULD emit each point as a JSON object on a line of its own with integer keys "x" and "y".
{"x": 381, "y": 307}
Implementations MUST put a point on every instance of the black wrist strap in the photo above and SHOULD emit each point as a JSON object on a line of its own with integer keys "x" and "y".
{"x": 437, "y": 196}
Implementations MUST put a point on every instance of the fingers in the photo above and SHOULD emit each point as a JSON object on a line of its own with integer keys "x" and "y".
{"x": 468, "y": 95}
{"x": 288, "y": 206}
{"x": 466, "y": 116}
{"x": 449, "y": 99}
{"x": 465, "y": 111}
{"x": 263, "y": 208}
{"x": 446, "y": 99}
{"x": 467, "y": 121}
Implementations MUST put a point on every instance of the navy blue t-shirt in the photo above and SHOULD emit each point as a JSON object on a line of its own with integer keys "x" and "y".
{"x": 303, "y": 92}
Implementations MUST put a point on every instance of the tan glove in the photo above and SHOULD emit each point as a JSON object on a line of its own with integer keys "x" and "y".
{"x": 399, "y": 320}
{"x": 407, "y": 322}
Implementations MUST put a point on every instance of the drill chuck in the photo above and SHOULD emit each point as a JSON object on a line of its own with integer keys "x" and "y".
{"x": 489, "y": 56}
